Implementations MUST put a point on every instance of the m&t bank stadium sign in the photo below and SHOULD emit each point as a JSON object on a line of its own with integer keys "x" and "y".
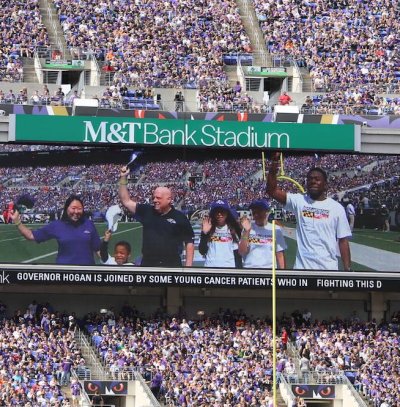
{"x": 189, "y": 133}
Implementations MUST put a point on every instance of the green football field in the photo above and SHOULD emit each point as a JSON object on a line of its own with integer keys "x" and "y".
{"x": 367, "y": 246}
{"x": 15, "y": 249}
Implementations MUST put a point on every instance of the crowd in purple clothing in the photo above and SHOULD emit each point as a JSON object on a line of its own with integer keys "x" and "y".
{"x": 226, "y": 361}
{"x": 220, "y": 96}
{"x": 351, "y": 102}
{"x": 38, "y": 98}
{"x": 195, "y": 184}
{"x": 177, "y": 171}
{"x": 37, "y": 355}
{"x": 227, "y": 357}
{"x": 224, "y": 358}
{"x": 369, "y": 351}
{"x": 170, "y": 43}
{"x": 347, "y": 43}
{"x": 22, "y": 31}
{"x": 12, "y": 148}
{"x": 350, "y": 48}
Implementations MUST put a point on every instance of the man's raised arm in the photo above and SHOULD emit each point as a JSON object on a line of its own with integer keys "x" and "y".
{"x": 123, "y": 190}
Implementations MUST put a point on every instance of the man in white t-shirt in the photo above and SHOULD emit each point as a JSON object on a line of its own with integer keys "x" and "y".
{"x": 256, "y": 245}
{"x": 321, "y": 222}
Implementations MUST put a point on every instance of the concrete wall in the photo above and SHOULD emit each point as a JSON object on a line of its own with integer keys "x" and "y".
{"x": 256, "y": 302}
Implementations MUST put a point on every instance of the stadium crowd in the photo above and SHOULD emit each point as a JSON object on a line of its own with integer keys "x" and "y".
{"x": 203, "y": 363}
{"x": 351, "y": 102}
{"x": 38, "y": 98}
{"x": 226, "y": 357}
{"x": 220, "y": 96}
{"x": 22, "y": 31}
{"x": 344, "y": 44}
{"x": 369, "y": 352}
{"x": 175, "y": 43}
{"x": 38, "y": 354}
{"x": 183, "y": 44}
{"x": 239, "y": 181}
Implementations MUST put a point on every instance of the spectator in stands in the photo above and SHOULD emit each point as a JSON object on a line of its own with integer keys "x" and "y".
{"x": 76, "y": 390}
{"x": 284, "y": 99}
{"x": 284, "y": 340}
{"x": 179, "y": 101}
{"x": 73, "y": 97}
{"x": 35, "y": 98}
{"x": 308, "y": 104}
{"x": 97, "y": 399}
{"x": 255, "y": 245}
{"x": 321, "y": 221}
{"x": 58, "y": 98}
{"x": 76, "y": 235}
{"x": 220, "y": 236}
{"x": 66, "y": 365}
{"x": 10, "y": 97}
{"x": 116, "y": 98}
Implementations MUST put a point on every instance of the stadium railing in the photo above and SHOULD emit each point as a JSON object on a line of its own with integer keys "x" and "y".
{"x": 55, "y": 26}
{"x": 288, "y": 390}
{"x": 90, "y": 356}
{"x": 296, "y": 69}
{"x": 154, "y": 402}
{"x": 98, "y": 71}
{"x": 359, "y": 400}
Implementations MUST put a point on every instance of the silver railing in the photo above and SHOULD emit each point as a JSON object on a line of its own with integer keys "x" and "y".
{"x": 153, "y": 401}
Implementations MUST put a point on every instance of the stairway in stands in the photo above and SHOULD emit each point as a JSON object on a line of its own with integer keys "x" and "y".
{"x": 53, "y": 26}
{"x": 253, "y": 30}
{"x": 97, "y": 371}
{"x": 307, "y": 83}
{"x": 29, "y": 70}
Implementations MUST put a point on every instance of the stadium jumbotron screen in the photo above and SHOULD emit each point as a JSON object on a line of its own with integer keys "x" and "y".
{"x": 223, "y": 207}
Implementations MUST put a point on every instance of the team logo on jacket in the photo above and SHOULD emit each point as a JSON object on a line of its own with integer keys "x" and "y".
{"x": 170, "y": 220}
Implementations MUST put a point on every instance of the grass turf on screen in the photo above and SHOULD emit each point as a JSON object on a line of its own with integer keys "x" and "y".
{"x": 15, "y": 249}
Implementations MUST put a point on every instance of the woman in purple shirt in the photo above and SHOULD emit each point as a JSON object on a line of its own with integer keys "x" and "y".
{"x": 76, "y": 235}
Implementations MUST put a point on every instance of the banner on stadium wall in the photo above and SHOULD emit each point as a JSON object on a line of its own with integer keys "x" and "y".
{"x": 64, "y": 64}
{"x": 164, "y": 278}
{"x": 188, "y": 133}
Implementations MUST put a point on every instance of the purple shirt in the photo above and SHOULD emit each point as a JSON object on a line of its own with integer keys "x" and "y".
{"x": 76, "y": 243}
{"x": 75, "y": 389}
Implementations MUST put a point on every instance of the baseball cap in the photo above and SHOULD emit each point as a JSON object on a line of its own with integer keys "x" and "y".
{"x": 260, "y": 203}
{"x": 220, "y": 204}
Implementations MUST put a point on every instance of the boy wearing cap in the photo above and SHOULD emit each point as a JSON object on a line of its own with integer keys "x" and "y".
{"x": 256, "y": 245}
